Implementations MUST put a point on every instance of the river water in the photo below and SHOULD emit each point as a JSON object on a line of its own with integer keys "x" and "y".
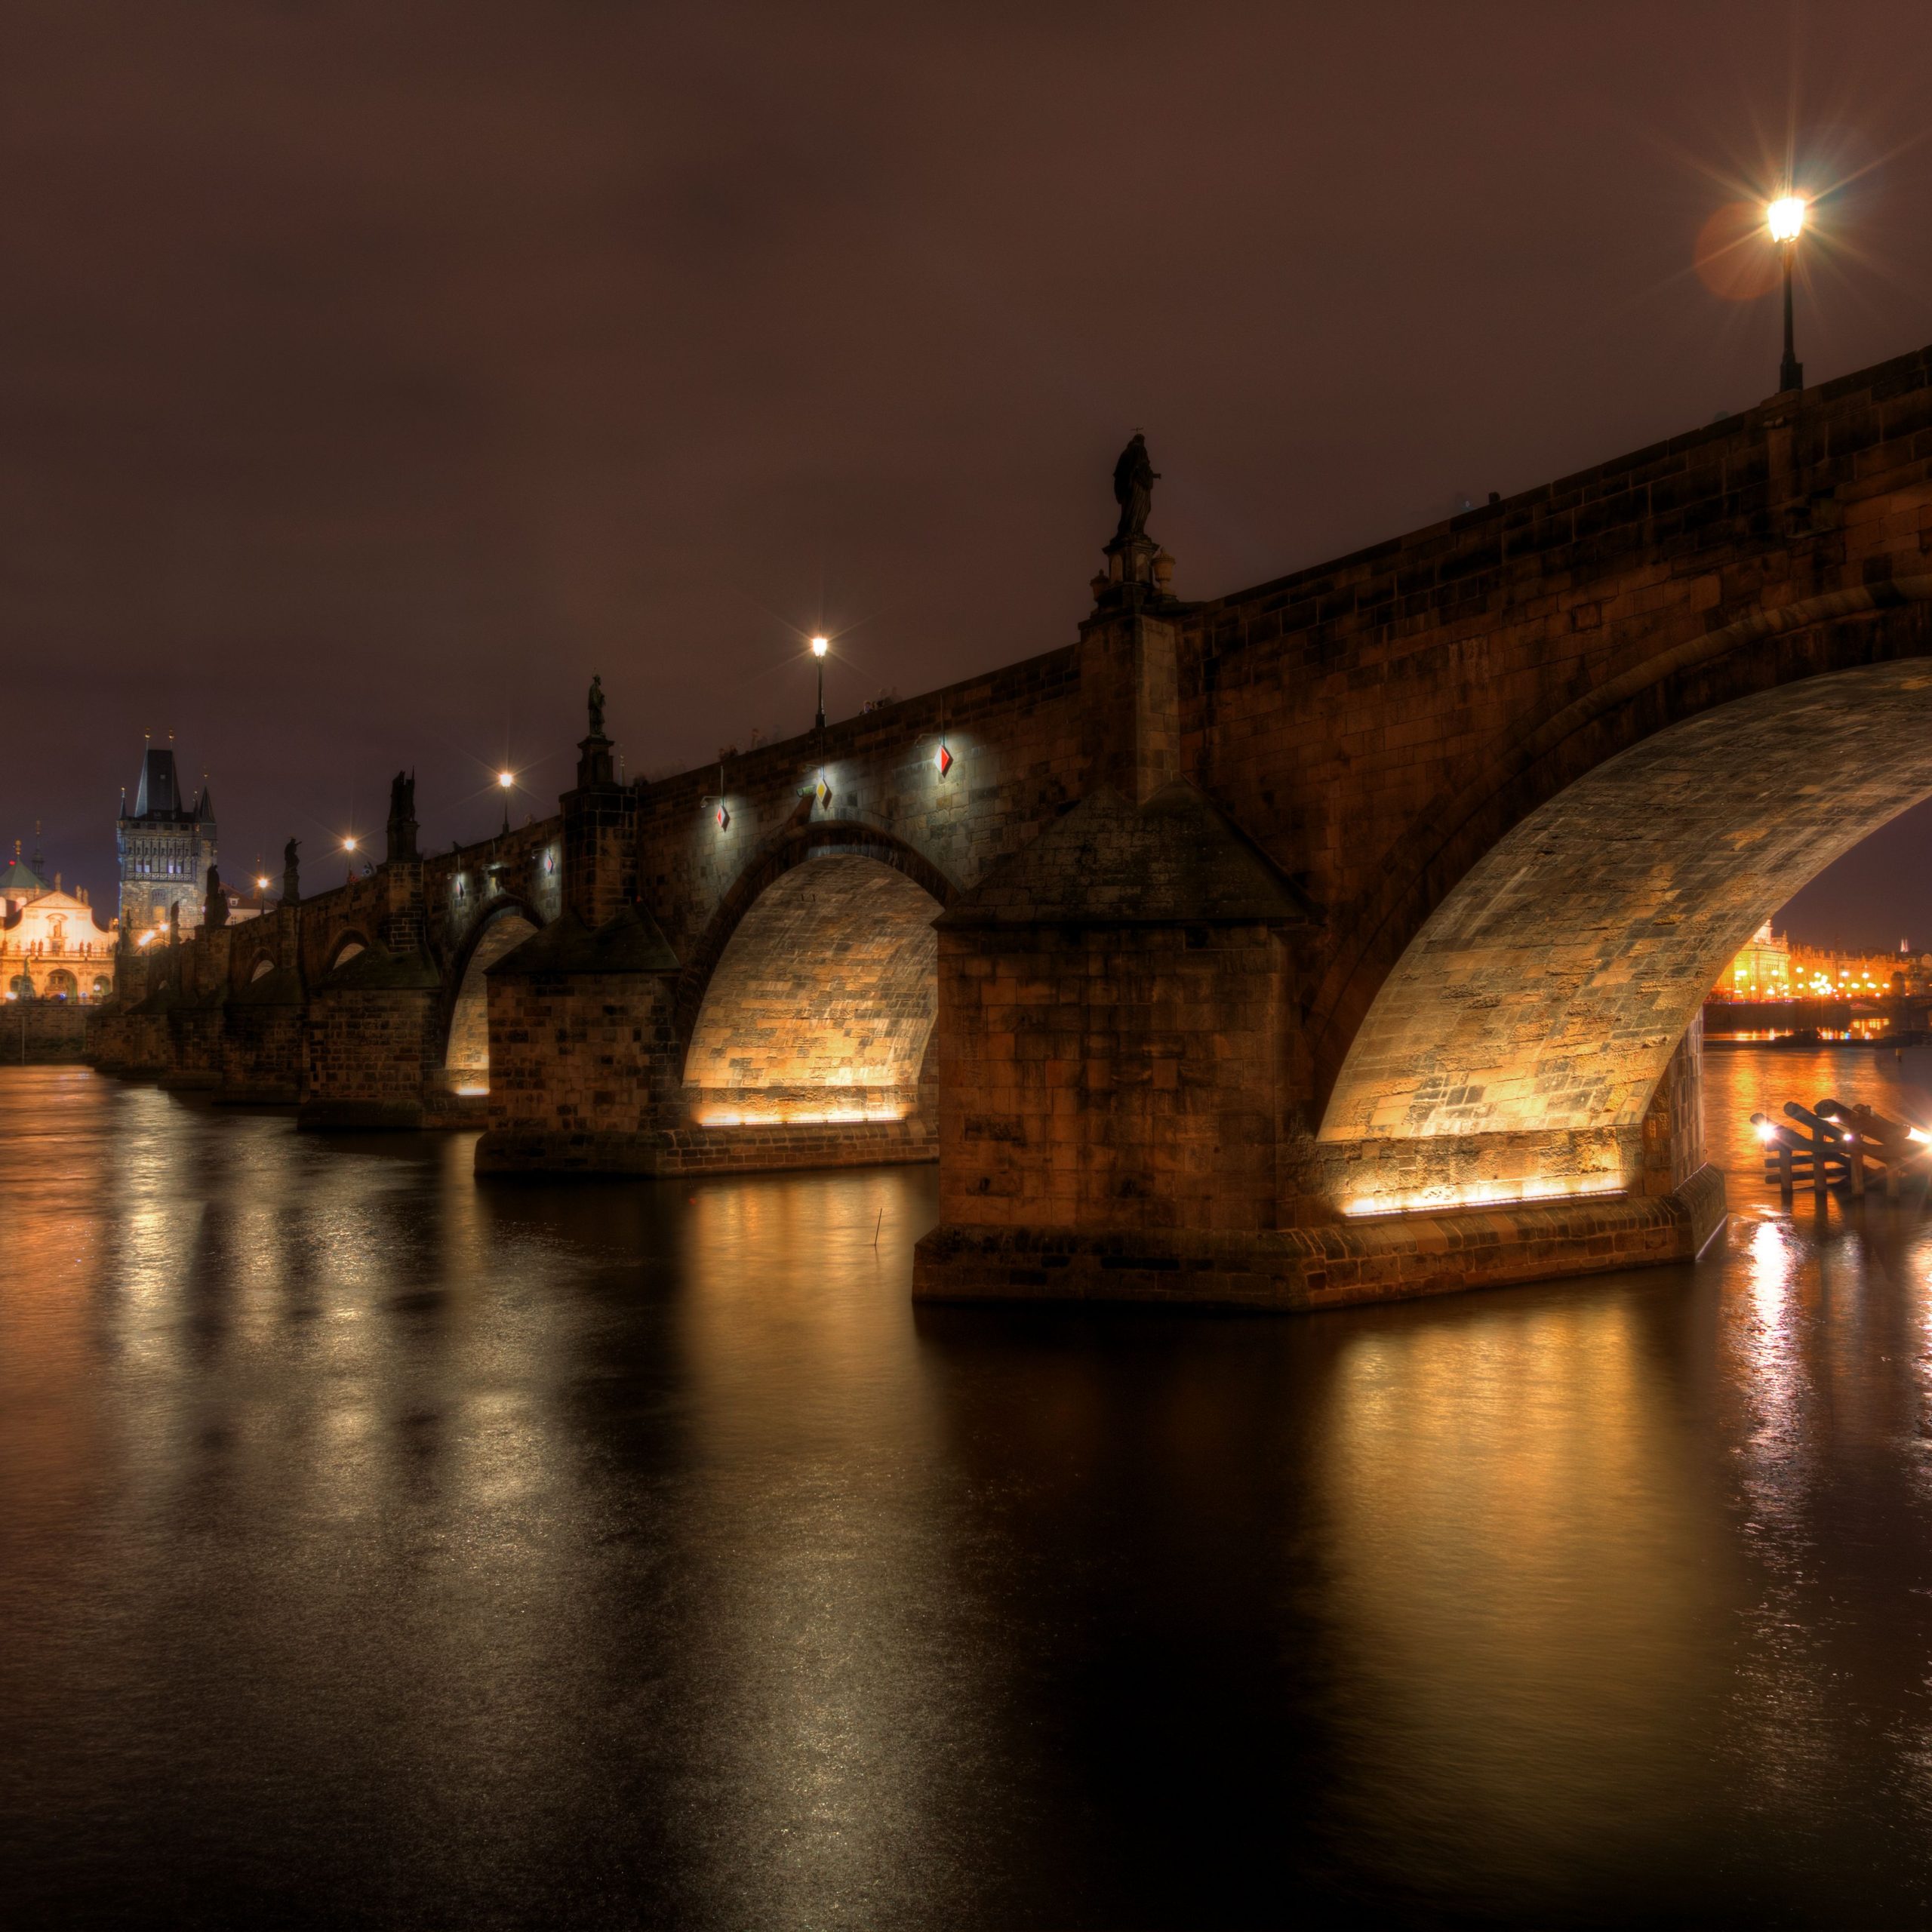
{"x": 379, "y": 1547}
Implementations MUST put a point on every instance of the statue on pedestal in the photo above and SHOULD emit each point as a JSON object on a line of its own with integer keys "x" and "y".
{"x": 596, "y": 705}
{"x": 290, "y": 879}
{"x": 402, "y": 817}
{"x": 1134, "y": 478}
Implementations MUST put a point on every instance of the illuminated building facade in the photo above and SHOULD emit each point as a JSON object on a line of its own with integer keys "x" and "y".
{"x": 1770, "y": 967}
{"x": 166, "y": 846}
{"x": 50, "y": 946}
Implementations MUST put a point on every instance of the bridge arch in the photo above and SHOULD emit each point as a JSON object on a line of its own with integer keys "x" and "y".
{"x": 506, "y": 922}
{"x": 1773, "y": 648}
{"x": 1517, "y": 1044}
{"x": 811, "y": 995}
{"x": 343, "y": 947}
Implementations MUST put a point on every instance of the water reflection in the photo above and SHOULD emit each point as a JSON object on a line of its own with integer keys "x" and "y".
{"x": 376, "y": 1545}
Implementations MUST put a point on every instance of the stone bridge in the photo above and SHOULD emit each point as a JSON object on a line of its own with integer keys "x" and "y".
{"x": 1339, "y": 938}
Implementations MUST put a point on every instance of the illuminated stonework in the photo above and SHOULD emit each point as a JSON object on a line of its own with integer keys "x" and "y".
{"x": 466, "y": 1059}
{"x": 821, "y": 1006}
{"x": 1540, "y": 1004}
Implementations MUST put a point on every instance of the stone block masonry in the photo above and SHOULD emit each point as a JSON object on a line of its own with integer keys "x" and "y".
{"x": 1121, "y": 1077}
{"x": 41, "y": 1032}
{"x": 370, "y": 1055}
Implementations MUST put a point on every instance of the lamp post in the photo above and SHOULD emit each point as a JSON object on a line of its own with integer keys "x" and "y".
{"x": 505, "y": 779}
{"x": 1785, "y": 218}
{"x": 819, "y": 647}
{"x": 349, "y": 850}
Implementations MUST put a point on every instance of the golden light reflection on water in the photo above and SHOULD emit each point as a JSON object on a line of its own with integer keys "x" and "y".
{"x": 643, "y": 1539}
{"x": 816, "y": 1440}
{"x": 1519, "y": 1574}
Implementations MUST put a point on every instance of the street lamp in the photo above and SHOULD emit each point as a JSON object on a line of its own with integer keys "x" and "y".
{"x": 505, "y": 779}
{"x": 1785, "y": 218}
{"x": 348, "y": 847}
{"x": 820, "y": 646}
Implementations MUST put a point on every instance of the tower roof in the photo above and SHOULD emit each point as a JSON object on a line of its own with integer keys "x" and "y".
{"x": 20, "y": 881}
{"x": 160, "y": 792}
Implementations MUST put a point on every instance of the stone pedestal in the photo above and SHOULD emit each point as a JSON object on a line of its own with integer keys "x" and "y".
{"x": 1129, "y": 697}
{"x": 600, "y": 837}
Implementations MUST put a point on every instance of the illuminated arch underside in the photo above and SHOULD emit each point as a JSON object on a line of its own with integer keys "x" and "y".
{"x": 822, "y": 1003}
{"x": 467, "y": 1058}
{"x": 1543, "y": 999}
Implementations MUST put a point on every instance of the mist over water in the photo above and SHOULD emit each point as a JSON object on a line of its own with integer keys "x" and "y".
{"x": 376, "y": 1546}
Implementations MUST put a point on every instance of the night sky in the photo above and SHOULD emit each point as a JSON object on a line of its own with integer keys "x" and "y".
{"x": 370, "y": 375}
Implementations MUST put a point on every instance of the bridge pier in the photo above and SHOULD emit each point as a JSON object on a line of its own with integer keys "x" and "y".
{"x": 1666, "y": 1203}
{"x": 370, "y": 1042}
{"x": 195, "y": 1019}
{"x": 261, "y": 1041}
{"x": 372, "y": 1038}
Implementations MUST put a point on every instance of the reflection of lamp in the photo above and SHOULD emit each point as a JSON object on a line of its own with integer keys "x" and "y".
{"x": 1785, "y": 218}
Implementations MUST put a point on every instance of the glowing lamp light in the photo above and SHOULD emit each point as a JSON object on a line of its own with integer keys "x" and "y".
{"x": 349, "y": 844}
{"x": 1766, "y": 1131}
{"x": 261, "y": 883}
{"x": 821, "y": 646}
{"x": 943, "y": 759}
{"x": 1913, "y": 1134}
{"x": 1785, "y": 217}
{"x": 507, "y": 778}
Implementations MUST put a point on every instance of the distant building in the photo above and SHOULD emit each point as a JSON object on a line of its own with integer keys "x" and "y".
{"x": 1763, "y": 971}
{"x": 166, "y": 846}
{"x": 1771, "y": 967}
{"x": 50, "y": 946}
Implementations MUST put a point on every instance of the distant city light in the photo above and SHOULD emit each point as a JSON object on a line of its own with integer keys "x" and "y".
{"x": 1785, "y": 217}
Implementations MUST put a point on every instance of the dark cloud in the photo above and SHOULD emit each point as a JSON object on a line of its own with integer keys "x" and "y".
{"x": 369, "y": 373}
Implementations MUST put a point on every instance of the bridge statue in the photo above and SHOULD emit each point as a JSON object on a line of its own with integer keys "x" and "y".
{"x": 290, "y": 875}
{"x": 402, "y": 817}
{"x": 596, "y": 704}
{"x": 215, "y": 908}
{"x": 1134, "y": 478}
